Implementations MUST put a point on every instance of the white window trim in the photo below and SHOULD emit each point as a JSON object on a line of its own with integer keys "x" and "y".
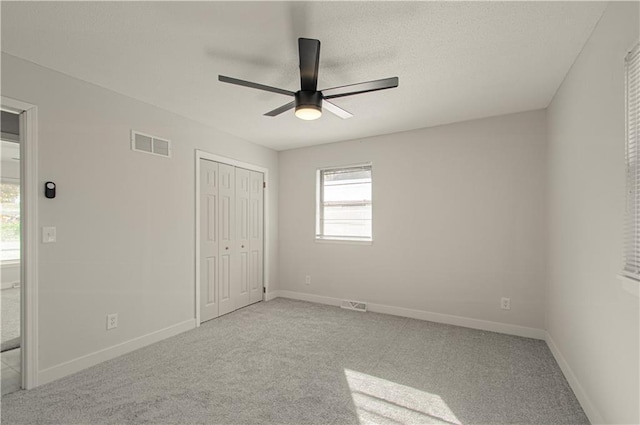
{"x": 339, "y": 239}
{"x": 344, "y": 241}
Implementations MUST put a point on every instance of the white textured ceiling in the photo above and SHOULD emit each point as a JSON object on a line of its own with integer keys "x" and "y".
{"x": 456, "y": 60}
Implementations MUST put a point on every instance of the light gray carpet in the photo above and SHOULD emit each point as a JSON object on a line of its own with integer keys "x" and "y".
{"x": 291, "y": 362}
{"x": 10, "y": 331}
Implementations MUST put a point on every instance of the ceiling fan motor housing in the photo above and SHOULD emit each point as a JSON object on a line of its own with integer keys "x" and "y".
{"x": 309, "y": 99}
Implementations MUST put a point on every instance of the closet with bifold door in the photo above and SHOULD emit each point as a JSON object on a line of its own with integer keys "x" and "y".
{"x": 231, "y": 238}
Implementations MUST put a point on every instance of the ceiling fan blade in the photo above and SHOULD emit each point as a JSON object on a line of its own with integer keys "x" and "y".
{"x": 244, "y": 83}
{"x": 309, "y": 50}
{"x": 336, "y": 110}
{"x": 281, "y": 109}
{"x": 385, "y": 83}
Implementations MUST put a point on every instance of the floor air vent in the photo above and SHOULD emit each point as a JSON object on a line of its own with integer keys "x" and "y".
{"x": 150, "y": 144}
{"x": 354, "y": 305}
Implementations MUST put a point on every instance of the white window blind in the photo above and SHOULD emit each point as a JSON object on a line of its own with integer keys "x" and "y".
{"x": 632, "y": 225}
{"x": 344, "y": 203}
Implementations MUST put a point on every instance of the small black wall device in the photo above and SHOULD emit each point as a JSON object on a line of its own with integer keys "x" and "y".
{"x": 50, "y": 190}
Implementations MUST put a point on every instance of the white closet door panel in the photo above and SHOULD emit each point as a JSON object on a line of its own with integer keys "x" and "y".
{"x": 244, "y": 273}
{"x": 211, "y": 280}
{"x": 256, "y": 237}
{"x": 225, "y": 218}
{"x": 226, "y": 230}
{"x": 241, "y": 289}
{"x": 208, "y": 240}
{"x": 225, "y": 278}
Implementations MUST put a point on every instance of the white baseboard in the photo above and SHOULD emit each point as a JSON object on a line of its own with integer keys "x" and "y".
{"x": 588, "y": 407}
{"x": 309, "y": 297}
{"x": 466, "y": 322}
{"x": 271, "y": 295}
{"x": 83, "y": 362}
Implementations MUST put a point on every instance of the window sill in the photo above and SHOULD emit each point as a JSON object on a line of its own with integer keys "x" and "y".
{"x": 630, "y": 285}
{"x": 344, "y": 241}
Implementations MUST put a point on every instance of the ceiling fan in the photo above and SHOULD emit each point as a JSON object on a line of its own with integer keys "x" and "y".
{"x": 308, "y": 101}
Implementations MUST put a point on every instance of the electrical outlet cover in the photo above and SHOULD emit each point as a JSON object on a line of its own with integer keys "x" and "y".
{"x": 505, "y": 303}
{"x": 112, "y": 321}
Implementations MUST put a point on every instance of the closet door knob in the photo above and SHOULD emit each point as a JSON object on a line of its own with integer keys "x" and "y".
{"x": 242, "y": 246}
{"x": 226, "y": 247}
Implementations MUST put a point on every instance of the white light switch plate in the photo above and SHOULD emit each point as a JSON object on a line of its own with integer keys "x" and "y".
{"x": 48, "y": 234}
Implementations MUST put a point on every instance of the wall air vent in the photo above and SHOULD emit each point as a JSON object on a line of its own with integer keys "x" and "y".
{"x": 354, "y": 305}
{"x": 150, "y": 144}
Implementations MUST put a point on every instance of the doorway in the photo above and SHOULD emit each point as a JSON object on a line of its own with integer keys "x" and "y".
{"x": 20, "y": 212}
{"x": 10, "y": 255}
{"x": 230, "y": 236}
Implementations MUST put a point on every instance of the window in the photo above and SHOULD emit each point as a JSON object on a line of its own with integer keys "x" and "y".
{"x": 10, "y": 216}
{"x": 632, "y": 226}
{"x": 344, "y": 203}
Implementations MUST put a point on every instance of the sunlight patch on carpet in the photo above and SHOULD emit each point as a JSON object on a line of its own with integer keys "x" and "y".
{"x": 379, "y": 401}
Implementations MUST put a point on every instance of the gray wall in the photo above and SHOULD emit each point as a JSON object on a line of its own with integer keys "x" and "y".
{"x": 458, "y": 220}
{"x": 592, "y": 320}
{"x": 125, "y": 220}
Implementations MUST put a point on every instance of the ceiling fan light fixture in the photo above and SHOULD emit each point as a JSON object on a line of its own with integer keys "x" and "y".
{"x": 308, "y": 113}
{"x": 308, "y": 105}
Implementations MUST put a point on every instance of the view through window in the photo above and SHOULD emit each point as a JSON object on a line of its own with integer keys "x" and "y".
{"x": 10, "y": 217}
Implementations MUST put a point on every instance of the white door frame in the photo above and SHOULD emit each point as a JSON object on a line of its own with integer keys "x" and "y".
{"x": 265, "y": 249}
{"x": 29, "y": 237}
